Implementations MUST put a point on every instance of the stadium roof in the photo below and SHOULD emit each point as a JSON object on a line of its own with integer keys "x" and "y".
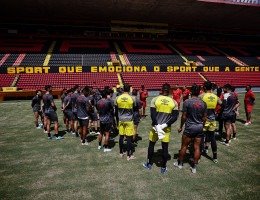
{"x": 179, "y": 14}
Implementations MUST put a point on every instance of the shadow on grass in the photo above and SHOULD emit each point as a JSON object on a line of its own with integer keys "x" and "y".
{"x": 157, "y": 158}
{"x": 242, "y": 121}
{"x": 187, "y": 157}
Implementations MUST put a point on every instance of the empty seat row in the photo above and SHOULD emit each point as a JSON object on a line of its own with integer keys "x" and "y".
{"x": 155, "y": 80}
{"x": 234, "y": 78}
{"x": 6, "y": 80}
{"x": 58, "y": 81}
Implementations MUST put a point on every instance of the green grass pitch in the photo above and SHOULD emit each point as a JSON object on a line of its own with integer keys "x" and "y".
{"x": 33, "y": 167}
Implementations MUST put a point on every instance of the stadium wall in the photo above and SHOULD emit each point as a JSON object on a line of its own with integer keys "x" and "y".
{"x": 112, "y": 69}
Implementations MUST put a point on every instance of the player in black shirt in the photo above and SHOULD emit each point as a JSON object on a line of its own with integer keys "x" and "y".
{"x": 37, "y": 109}
{"x": 230, "y": 105}
{"x": 84, "y": 109}
{"x": 50, "y": 114}
{"x": 105, "y": 109}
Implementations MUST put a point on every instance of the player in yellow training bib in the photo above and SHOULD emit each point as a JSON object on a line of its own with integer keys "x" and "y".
{"x": 164, "y": 112}
{"x": 124, "y": 109}
{"x": 211, "y": 100}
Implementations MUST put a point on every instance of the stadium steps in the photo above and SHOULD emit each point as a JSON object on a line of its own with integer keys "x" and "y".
{"x": 115, "y": 60}
{"x": 232, "y": 58}
{"x": 4, "y": 58}
{"x": 49, "y": 54}
{"x": 122, "y": 62}
{"x": 120, "y": 80}
{"x": 117, "y": 48}
{"x": 126, "y": 59}
{"x": 19, "y": 59}
{"x": 120, "y": 54}
{"x": 16, "y": 79}
{"x": 203, "y": 77}
{"x": 180, "y": 54}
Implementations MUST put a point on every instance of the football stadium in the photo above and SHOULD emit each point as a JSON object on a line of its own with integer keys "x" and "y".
{"x": 129, "y": 99}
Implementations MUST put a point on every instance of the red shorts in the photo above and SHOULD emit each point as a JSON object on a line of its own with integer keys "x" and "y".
{"x": 179, "y": 104}
{"x": 143, "y": 104}
{"x": 249, "y": 108}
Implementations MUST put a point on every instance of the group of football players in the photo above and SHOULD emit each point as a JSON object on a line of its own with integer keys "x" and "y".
{"x": 102, "y": 112}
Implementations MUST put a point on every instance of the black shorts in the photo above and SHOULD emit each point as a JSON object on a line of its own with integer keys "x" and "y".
{"x": 83, "y": 122}
{"x": 36, "y": 109}
{"x": 51, "y": 115}
{"x": 234, "y": 119}
{"x": 69, "y": 114}
{"x": 136, "y": 118}
{"x": 105, "y": 127}
{"x": 39, "y": 112}
{"x": 93, "y": 116}
{"x": 193, "y": 130}
{"x": 230, "y": 118}
{"x": 75, "y": 116}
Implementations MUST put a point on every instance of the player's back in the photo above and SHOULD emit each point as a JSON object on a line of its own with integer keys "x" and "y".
{"x": 67, "y": 100}
{"x": 105, "y": 110}
{"x": 82, "y": 104}
{"x": 125, "y": 104}
{"x": 195, "y": 109}
{"x": 211, "y": 100}
{"x": 47, "y": 101}
{"x": 229, "y": 102}
{"x": 164, "y": 106}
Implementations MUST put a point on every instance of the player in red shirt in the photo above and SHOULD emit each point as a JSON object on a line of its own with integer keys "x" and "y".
{"x": 249, "y": 104}
{"x": 143, "y": 96}
{"x": 185, "y": 94}
{"x": 176, "y": 95}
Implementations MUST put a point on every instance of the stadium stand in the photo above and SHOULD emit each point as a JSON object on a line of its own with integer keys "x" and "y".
{"x": 205, "y": 54}
{"x": 79, "y": 59}
{"x": 85, "y": 53}
{"x": 152, "y": 60}
{"x": 66, "y": 80}
{"x": 154, "y": 80}
{"x": 6, "y": 80}
{"x": 85, "y": 46}
{"x": 3, "y": 58}
{"x": 238, "y": 79}
{"x": 10, "y": 61}
{"x": 146, "y": 47}
{"x": 247, "y": 55}
{"x": 33, "y": 60}
{"x": 149, "y": 54}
